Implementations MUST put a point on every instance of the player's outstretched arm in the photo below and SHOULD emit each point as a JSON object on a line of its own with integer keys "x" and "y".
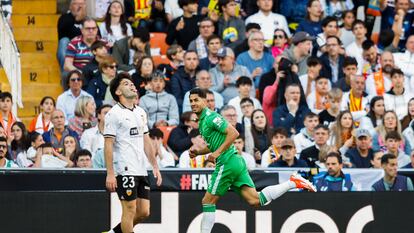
{"x": 231, "y": 135}
{"x": 110, "y": 174}
{"x": 194, "y": 152}
{"x": 150, "y": 151}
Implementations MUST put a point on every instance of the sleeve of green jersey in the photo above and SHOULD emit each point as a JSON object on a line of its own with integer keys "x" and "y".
{"x": 218, "y": 122}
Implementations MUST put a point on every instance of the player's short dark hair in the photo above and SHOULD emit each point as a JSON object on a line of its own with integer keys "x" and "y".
{"x": 385, "y": 159}
{"x": 367, "y": 44}
{"x": 329, "y": 19}
{"x": 113, "y": 86}
{"x": 183, "y": 3}
{"x": 334, "y": 155}
{"x": 310, "y": 115}
{"x": 313, "y": 61}
{"x": 5, "y": 95}
{"x": 198, "y": 91}
{"x": 281, "y": 131}
{"x": 244, "y": 80}
{"x": 251, "y": 26}
{"x": 321, "y": 126}
{"x": 358, "y": 22}
{"x": 194, "y": 133}
{"x": 156, "y": 133}
{"x": 246, "y": 100}
{"x": 350, "y": 61}
{"x": 46, "y": 145}
{"x": 396, "y": 71}
{"x": 393, "y": 135}
{"x": 97, "y": 45}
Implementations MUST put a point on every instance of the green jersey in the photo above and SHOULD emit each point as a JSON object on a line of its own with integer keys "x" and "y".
{"x": 212, "y": 127}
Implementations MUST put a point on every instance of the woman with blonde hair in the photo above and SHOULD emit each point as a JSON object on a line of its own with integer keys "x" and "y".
{"x": 84, "y": 115}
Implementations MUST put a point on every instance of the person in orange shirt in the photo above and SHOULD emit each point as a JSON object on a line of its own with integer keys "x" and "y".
{"x": 7, "y": 118}
{"x": 42, "y": 122}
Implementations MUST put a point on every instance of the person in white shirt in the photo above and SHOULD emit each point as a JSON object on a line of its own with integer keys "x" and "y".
{"x": 268, "y": 20}
{"x": 318, "y": 99}
{"x": 304, "y": 138}
{"x": 329, "y": 28}
{"x": 405, "y": 61}
{"x": 198, "y": 143}
{"x": 92, "y": 139}
{"x": 273, "y": 153}
{"x": 244, "y": 85}
{"x": 248, "y": 158}
{"x": 308, "y": 80}
{"x": 115, "y": 26}
{"x": 355, "y": 48}
{"x": 126, "y": 144}
{"x": 397, "y": 98}
{"x": 164, "y": 158}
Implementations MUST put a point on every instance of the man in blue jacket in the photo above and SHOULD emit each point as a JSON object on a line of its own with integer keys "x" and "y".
{"x": 334, "y": 179}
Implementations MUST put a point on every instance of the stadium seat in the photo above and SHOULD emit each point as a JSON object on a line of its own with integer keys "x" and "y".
{"x": 160, "y": 60}
{"x": 157, "y": 40}
{"x": 166, "y": 130}
{"x": 375, "y": 37}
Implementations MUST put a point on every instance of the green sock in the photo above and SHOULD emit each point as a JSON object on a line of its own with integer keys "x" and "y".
{"x": 263, "y": 200}
{"x": 209, "y": 208}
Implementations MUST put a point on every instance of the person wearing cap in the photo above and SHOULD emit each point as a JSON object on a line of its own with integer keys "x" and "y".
{"x": 256, "y": 59}
{"x": 268, "y": 20}
{"x": 362, "y": 154}
{"x": 226, "y": 73}
{"x": 334, "y": 179}
{"x": 161, "y": 107}
{"x": 287, "y": 156}
{"x": 332, "y": 60}
{"x": 299, "y": 52}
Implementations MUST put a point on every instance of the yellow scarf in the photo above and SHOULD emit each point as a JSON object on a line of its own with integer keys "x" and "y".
{"x": 355, "y": 104}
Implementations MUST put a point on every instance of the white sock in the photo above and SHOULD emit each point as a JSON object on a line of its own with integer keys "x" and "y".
{"x": 273, "y": 192}
{"x": 209, "y": 215}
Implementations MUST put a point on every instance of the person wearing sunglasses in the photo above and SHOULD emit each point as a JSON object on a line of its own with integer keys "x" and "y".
{"x": 280, "y": 42}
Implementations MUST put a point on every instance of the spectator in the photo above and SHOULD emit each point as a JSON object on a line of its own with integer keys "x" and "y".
{"x": 349, "y": 69}
{"x": 410, "y": 165}
{"x": 391, "y": 180}
{"x": 59, "y": 131}
{"x": 7, "y": 118}
{"x": 398, "y": 97}
{"x": 272, "y": 154}
{"x": 84, "y": 115}
{"x": 211, "y": 102}
{"x": 312, "y": 22}
{"x": 42, "y": 123}
{"x": 330, "y": 114}
{"x": 334, "y": 179}
{"x": 83, "y": 159}
{"x": 184, "y": 79}
{"x": 203, "y": 81}
{"x": 92, "y": 139}
{"x": 175, "y": 54}
{"x": 299, "y": 52}
{"x": 163, "y": 157}
{"x": 244, "y": 85}
{"x": 287, "y": 156}
{"x": 248, "y": 158}
{"x": 402, "y": 10}
{"x": 354, "y": 49}
{"x": 374, "y": 117}
{"x": 142, "y": 77}
{"x": 225, "y": 75}
{"x": 255, "y": 59}
{"x": 376, "y": 159}
{"x": 230, "y": 27}
{"x": 214, "y": 43}
{"x": 356, "y": 100}
{"x": 47, "y": 157}
{"x": 115, "y": 26}
{"x": 405, "y": 61}
{"x": 230, "y": 114}
{"x": 98, "y": 86}
{"x": 258, "y": 136}
{"x": 19, "y": 140}
{"x": 332, "y": 60}
{"x": 291, "y": 115}
{"x": 247, "y": 108}
{"x": 336, "y": 8}
{"x": 128, "y": 50}
{"x": 348, "y": 18}
{"x": 91, "y": 70}
{"x": 280, "y": 42}
{"x": 343, "y": 135}
{"x": 390, "y": 123}
{"x": 4, "y": 161}
{"x": 362, "y": 154}
{"x": 70, "y": 147}
{"x": 308, "y": 80}
{"x": 269, "y": 79}
{"x": 197, "y": 142}
{"x": 329, "y": 28}
{"x": 370, "y": 63}
{"x": 28, "y": 158}
{"x": 270, "y": 92}
{"x": 199, "y": 44}
{"x": 244, "y": 45}
{"x": 407, "y": 119}
{"x": 78, "y": 52}
{"x": 179, "y": 139}
{"x": 183, "y": 29}
{"x": 268, "y": 20}
{"x": 380, "y": 82}
{"x": 392, "y": 142}
{"x": 304, "y": 138}
{"x": 318, "y": 99}
{"x": 69, "y": 27}
{"x": 160, "y": 106}
{"x": 311, "y": 154}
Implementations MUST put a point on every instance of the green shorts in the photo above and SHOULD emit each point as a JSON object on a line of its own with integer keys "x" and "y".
{"x": 231, "y": 174}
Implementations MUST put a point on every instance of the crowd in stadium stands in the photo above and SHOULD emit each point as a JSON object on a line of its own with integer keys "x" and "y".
{"x": 309, "y": 86}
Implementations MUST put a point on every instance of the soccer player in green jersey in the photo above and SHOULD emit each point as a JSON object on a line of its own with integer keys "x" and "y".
{"x": 231, "y": 170}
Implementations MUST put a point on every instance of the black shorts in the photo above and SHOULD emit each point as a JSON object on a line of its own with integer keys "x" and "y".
{"x": 132, "y": 187}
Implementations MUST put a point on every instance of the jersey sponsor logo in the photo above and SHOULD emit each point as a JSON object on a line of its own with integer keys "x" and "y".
{"x": 133, "y": 131}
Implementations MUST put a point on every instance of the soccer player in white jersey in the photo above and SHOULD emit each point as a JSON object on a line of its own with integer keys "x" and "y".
{"x": 126, "y": 143}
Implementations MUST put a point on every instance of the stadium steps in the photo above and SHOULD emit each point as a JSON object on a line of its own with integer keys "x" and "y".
{"x": 35, "y": 30}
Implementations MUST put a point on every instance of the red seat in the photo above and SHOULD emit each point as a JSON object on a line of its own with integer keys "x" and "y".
{"x": 160, "y": 60}
{"x": 375, "y": 37}
{"x": 157, "y": 40}
{"x": 166, "y": 130}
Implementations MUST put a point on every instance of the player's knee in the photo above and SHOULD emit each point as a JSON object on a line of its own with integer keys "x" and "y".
{"x": 130, "y": 208}
{"x": 144, "y": 213}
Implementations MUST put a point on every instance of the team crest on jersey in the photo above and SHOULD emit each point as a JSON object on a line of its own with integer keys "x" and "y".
{"x": 129, "y": 192}
{"x": 218, "y": 121}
